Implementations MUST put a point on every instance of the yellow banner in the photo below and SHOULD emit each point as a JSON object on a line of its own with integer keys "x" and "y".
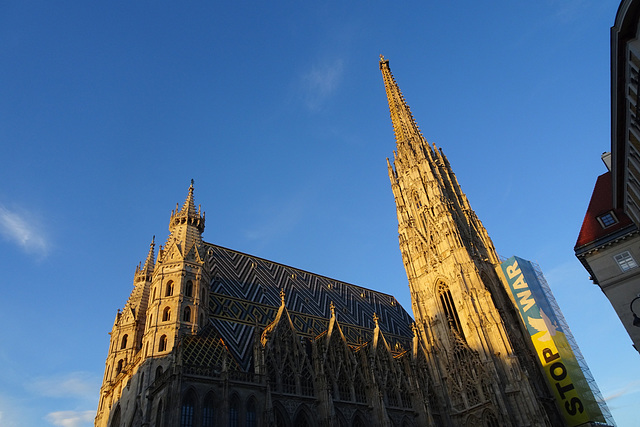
{"x": 558, "y": 375}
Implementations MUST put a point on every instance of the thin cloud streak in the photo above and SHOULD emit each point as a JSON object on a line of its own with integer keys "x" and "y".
{"x": 71, "y": 418}
{"x": 321, "y": 82}
{"x": 73, "y": 384}
{"x": 22, "y": 229}
{"x": 629, "y": 388}
{"x": 279, "y": 222}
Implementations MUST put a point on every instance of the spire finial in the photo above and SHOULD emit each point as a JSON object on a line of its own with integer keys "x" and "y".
{"x": 375, "y": 319}
{"x": 333, "y": 309}
{"x": 282, "y": 296}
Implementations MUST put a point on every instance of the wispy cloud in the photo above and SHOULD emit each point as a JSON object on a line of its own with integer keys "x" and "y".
{"x": 320, "y": 82}
{"x": 71, "y": 418}
{"x": 279, "y": 221}
{"x": 22, "y": 228}
{"x": 629, "y": 388}
{"x": 72, "y": 384}
{"x": 569, "y": 10}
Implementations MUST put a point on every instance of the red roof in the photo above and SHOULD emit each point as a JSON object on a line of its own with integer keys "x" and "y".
{"x": 601, "y": 203}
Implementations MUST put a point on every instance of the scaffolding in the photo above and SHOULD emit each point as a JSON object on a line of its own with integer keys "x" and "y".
{"x": 562, "y": 323}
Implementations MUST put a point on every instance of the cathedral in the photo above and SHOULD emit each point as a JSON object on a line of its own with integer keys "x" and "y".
{"x": 215, "y": 337}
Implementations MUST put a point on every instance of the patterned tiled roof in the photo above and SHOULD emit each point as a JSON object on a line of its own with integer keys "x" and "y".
{"x": 246, "y": 293}
{"x": 206, "y": 350}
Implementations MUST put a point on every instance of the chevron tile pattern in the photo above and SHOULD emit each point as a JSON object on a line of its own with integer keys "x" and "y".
{"x": 246, "y": 293}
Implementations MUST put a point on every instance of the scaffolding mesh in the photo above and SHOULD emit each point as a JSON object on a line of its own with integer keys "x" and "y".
{"x": 574, "y": 345}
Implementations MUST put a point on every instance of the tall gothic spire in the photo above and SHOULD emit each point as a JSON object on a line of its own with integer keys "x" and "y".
{"x": 409, "y": 140}
{"x": 449, "y": 259}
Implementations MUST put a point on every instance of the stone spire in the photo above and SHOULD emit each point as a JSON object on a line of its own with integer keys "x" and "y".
{"x": 188, "y": 214}
{"x": 147, "y": 269}
{"x": 411, "y": 145}
{"x": 449, "y": 210}
{"x": 450, "y": 264}
{"x": 141, "y": 280}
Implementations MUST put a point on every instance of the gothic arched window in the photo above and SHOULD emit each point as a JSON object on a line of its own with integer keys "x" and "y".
{"x": 208, "y": 412}
{"x": 302, "y": 420}
{"x": 186, "y": 316}
{"x": 306, "y": 382}
{"x": 162, "y": 346}
{"x": 357, "y": 421}
{"x": 359, "y": 388}
{"x": 251, "y": 413}
{"x": 123, "y": 344}
{"x": 188, "y": 288}
{"x": 288, "y": 380}
{"x": 234, "y": 409}
{"x": 186, "y": 413}
{"x": 159, "y": 415}
{"x": 490, "y": 419}
{"x": 169, "y": 289}
{"x": 119, "y": 367}
{"x": 449, "y": 308}
{"x": 344, "y": 389}
{"x": 416, "y": 200}
{"x": 166, "y": 314}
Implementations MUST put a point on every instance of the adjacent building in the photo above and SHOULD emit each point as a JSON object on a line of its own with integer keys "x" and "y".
{"x": 609, "y": 242}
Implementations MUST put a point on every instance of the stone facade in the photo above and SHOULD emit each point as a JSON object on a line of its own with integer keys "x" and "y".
{"x": 212, "y": 336}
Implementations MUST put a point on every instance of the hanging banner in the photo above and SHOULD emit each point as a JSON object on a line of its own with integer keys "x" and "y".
{"x": 564, "y": 375}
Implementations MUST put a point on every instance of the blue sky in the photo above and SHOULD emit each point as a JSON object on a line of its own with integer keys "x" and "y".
{"x": 277, "y": 111}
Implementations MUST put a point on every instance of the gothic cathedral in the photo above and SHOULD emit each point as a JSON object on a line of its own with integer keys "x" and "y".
{"x": 215, "y": 337}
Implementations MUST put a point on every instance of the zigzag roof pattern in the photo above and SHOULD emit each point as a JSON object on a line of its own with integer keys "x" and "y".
{"x": 245, "y": 293}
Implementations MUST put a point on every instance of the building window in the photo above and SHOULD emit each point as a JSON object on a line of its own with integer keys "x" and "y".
{"x": 344, "y": 389}
{"x": 360, "y": 389}
{"x": 233, "y": 413}
{"x": 186, "y": 316}
{"x": 159, "y": 415}
{"x": 608, "y": 219}
{"x": 119, "y": 367}
{"x": 625, "y": 261}
{"x": 166, "y": 314}
{"x": 188, "y": 289}
{"x": 186, "y": 414}
{"x": 289, "y": 380}
{"x": 169, "y": 290}
{"x": 251, "y": 413}
{"x": 449, "y": 309}
{"x": 306, "y": 382}
{"x": 124, "y": 342}
{"x": 208, "y": 412}
{"x": 162, "y": 346}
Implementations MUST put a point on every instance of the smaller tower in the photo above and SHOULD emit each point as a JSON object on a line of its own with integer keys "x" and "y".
{"x": 179, "y": 288}
{"x": 128, "y": 329}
